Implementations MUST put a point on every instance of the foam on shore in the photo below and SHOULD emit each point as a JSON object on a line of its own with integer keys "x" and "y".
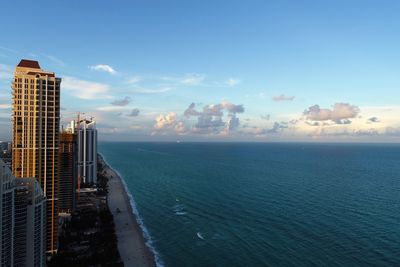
{"x": 132, "y": 203}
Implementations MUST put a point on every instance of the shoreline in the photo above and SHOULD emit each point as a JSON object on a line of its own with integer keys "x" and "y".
{"x": 132, "y": 243}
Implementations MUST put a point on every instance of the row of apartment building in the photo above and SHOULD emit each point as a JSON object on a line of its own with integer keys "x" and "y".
{"x": 48, "y": 166}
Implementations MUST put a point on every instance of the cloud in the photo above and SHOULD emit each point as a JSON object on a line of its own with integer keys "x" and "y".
{"x": 103, "y": 67}
{"x": 373, "y": 119}
{"x": 232, "y": 82}
{"x": 283, "y": 98}
{"x": 55, "y": 60}
{"x": 266, "y": 117}
{"x": 85, "y": 89}
{"x": 164, "y": 121}
{"x": 134, "y": 80}
{"x": 5, "y": 106}
{"x": 340, "y": 114}
{"x": 152, "y": 91}
{"x": 192, "y": 79}
{"x": 210, "y": 119}
{"x": 278, "y": 127}
{"x": 111, "y": 108}
{"x": 134, "y": 113}
{"x": 123, "y": 102}
{"x": 6, "y": 72}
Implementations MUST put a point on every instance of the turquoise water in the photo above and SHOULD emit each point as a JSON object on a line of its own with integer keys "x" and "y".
{"x": 224, "y": 204}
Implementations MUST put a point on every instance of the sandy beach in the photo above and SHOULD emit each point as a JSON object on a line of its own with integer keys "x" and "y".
{"x": 131, "y": 243}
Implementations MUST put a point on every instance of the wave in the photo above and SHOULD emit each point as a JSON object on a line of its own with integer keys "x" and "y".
{"x": 132, "y": 203}
{"x": 199, "y": 235}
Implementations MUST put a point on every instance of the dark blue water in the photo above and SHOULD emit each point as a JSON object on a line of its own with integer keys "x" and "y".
{"x": 226, "y": 204}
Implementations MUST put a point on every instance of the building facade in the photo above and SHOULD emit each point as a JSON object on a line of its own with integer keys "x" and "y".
{"x": 7, "y": 182}
{"x": 30, "y": 241}
{"x": 87, "y": 150}
{"x": 22, "y": 221}
{"x": 35, "y": 142}
{"x": 68, "y": 171}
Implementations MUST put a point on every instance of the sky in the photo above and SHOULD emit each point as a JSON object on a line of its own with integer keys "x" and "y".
{"x": 279, "y": 71}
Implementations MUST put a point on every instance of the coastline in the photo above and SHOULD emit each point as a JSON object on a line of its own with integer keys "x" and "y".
{"x": 132, "y": 244}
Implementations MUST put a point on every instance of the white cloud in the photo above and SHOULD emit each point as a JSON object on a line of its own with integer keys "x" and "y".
{"x": 103, "y": 67}
{"x": 232, "y": 82}
{"x": 152, "y": 90}
{"x": 165, "y": 121}
{"x": 85, "y": 89}
{"x": 111, "y": 108}
{"x": 192, "y": 79}
{"x": 55, "y": 60}
{"x": 134, "y": 80}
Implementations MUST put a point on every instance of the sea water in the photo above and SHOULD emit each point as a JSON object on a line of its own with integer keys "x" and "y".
{"x": 251, "y": 204}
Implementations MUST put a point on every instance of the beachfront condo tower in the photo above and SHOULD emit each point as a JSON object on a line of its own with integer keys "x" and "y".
{"x": 87, "y": 150}
{"x": 35, "y": 141}
{"x": 7, "y": 185}
{"x": 22, "y": 221}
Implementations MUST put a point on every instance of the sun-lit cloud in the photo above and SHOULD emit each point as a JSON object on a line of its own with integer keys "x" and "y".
{"x": 85, "y": 89}
{"x": 340, "y": 114}
{"x": 104, "y": 68}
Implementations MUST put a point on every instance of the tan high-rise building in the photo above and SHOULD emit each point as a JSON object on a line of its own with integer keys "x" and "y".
{"x": 36, "y": 119}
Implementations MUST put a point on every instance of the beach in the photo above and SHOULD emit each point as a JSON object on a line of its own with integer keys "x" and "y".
{"x": 131, "y": 242}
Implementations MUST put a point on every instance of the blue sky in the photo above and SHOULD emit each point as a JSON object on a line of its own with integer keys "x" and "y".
{"x": 255, "y": 70}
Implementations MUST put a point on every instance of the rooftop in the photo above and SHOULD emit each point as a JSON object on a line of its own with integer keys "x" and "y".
{"x": 26, "y": 63}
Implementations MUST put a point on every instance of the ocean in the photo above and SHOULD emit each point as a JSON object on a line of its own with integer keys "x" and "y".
{"x": 265, "y": 204}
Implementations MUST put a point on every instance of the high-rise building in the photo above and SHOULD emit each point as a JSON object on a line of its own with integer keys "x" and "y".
{"x": 36, "y": 117}
{"x": 30, "y": 224}
{"x": 87, "y": 150}
{"x": 68, "y": 171}
{"x": 7, "y": 185}
{"x": 22, "y": 221}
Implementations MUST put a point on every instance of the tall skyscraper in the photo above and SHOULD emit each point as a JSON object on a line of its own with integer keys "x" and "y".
{"x": 7, "y": 185}
{"x": 87, "y": 150}
{"x": 36, "y": 117}
{"x": 68, "y": 170}
{"x": 22, "y": 221}
{"x": 30, "y": 224}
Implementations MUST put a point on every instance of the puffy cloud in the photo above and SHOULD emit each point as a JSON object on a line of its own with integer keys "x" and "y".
{"x": 233, "y": 122}
{"x": 283, "y": 98}
{"x": 85, "y": 89}
{"x": 340, "y": 114}
{"x": 123, "y": 102}
{"x": 278, "y": 127}
{"x": 190, "y": 111}
{"x": 163, "y": 121}
{"x": 134, "y": 113}
{"x": 210, "y": 119}
{"x": 103, "y": 67}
